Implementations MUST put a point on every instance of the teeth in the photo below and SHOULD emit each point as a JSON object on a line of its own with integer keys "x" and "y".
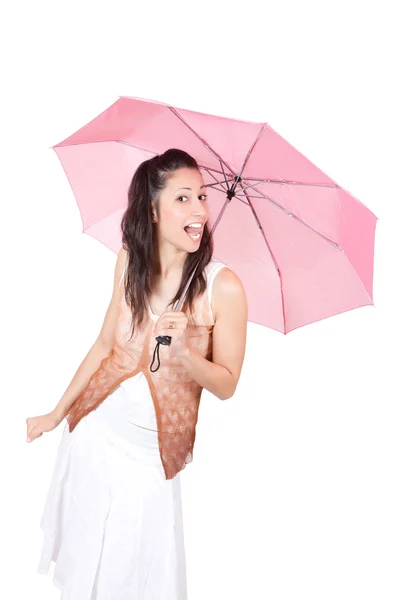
{"x": 194, "y": 236}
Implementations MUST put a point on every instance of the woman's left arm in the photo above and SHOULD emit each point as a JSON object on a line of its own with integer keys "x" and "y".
{"x": 229, "y": 302}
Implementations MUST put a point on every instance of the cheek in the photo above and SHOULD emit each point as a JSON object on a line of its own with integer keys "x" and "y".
{"x": 170, "y": 214}
{"x": 171, "y": 220}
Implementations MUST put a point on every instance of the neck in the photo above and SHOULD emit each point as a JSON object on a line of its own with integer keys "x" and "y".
{"x": 169, "y": 263}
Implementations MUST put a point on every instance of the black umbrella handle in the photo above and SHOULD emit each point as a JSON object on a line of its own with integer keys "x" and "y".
{"x": 165, "y": 340}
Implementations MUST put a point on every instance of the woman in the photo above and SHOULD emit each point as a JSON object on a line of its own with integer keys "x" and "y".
{"x": 112, "y": 522}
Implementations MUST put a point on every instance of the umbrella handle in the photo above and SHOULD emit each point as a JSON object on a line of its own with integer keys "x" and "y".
{"x": 164, "y": 339}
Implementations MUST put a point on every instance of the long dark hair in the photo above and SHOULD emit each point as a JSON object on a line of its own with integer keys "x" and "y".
{"x": 139, "y": 235}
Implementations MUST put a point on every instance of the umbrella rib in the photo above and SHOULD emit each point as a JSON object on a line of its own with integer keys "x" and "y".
{"x": 259, "y": 181}
{"x": 276, "y": 203}
{"x": 212, "y": 175}
{"x": 206, "y": 144}
{"x": 334, "y": 185}
{"x": 226, "y": 181}
{"x": 252, "y": 148}
{"x": 208, "y": 169}
{"x": 223, "y": 190}
{"x": 264, "y": 125}
{"x": 212, "y": 185}
{"x": 114, "y": 212}
{"x": 260, "y": 226}
{"x": 290, "y": 214}
{"x": 250, "y": 186}
{"x": 273, "y": 258}
{"x": 137, "y": 147}
{"x": 315, "y": 231}
{"x": 223, "y": 172}
{"x": 248, "y": 179}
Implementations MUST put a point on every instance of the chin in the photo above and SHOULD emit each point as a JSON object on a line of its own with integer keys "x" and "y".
{"x": 192, "y": 245}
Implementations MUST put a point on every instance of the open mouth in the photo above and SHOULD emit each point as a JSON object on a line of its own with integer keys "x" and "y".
{"x": 194, "y": 233}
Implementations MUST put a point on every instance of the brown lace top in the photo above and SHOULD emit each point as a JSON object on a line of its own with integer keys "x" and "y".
{"x": 176, "y": 396}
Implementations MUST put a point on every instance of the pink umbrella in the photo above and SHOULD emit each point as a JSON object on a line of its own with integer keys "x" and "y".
{"x": 302, "y": 245}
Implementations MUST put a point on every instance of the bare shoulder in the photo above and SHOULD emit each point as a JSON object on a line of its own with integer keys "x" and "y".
{"x": 107, "y": 332}
{"x": 228, "y": 289}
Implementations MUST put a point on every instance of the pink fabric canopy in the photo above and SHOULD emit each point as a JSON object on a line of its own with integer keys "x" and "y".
{"x": 301, "y": 244}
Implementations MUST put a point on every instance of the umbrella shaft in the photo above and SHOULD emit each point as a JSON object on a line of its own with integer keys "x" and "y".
{"x": 184, "y": 294}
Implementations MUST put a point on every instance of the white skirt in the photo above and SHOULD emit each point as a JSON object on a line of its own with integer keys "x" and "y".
{"x": 112, "y": 522}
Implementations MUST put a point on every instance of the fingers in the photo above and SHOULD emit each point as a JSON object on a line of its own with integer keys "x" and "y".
{"x": 33, "y": 430}
{"x": 174, "y": 331}
{"x": 171, "y": 314}
{"x": 179, "y": 318}
{"x": 31, "y": 422}
{"x": 34, "y": 434}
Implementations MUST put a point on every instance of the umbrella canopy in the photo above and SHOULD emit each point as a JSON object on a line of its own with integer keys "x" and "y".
{"x": 302, "y": 245}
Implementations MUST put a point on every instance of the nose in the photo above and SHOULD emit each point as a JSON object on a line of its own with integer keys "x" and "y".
{"x": 201, "y": 216}
{"x": 201, "y": 210}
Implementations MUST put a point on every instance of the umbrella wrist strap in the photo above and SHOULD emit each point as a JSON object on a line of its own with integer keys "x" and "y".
{"x": 156, "y": 353}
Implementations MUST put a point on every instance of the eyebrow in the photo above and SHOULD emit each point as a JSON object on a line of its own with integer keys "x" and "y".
{"x": 186, "y": 188}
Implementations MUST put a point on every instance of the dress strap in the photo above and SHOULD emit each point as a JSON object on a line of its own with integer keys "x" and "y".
{"x": 124, "y": 271}
{"x": 212, "y": 269}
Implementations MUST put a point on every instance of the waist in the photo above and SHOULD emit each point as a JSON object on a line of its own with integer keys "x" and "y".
{"x": 135, "y": 441}
{"x": 132, "y": 405}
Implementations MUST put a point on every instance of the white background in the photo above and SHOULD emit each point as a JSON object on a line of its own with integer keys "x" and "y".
{"x": 294, "y": 488}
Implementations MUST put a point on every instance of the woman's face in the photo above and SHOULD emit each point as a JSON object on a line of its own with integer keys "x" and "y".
{"x": 183, "y": 202}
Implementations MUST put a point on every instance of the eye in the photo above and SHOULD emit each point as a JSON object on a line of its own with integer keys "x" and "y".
{"x": 202, "y": 196}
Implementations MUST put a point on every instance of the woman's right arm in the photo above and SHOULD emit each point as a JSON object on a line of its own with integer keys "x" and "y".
{"x": 100, "y": 350}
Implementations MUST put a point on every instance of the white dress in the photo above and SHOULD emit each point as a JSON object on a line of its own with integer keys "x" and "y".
{"x": 112, "y": 523}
